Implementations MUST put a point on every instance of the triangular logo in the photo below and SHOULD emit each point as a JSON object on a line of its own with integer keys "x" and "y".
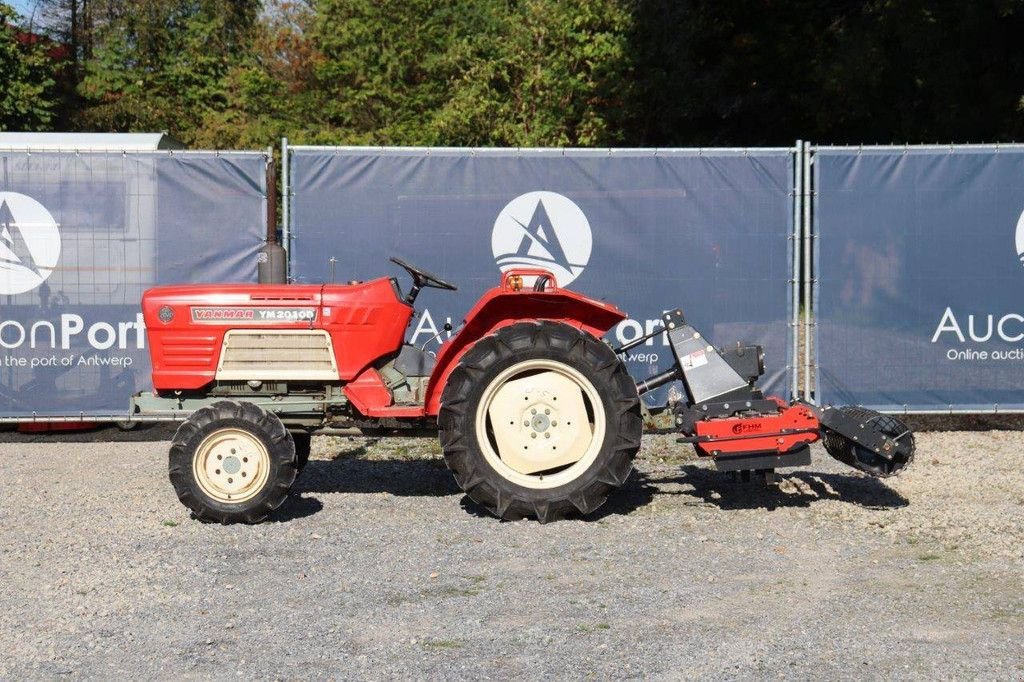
{"x": 13, "y": 248}
{"x": 540, "y": 240}
{"x": 556, "y": 238}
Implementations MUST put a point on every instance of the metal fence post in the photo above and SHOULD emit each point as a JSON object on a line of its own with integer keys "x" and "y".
{"x": 808, "y": 236}
{"x": 794, "y": 282}
{"x": 286, "y": 216}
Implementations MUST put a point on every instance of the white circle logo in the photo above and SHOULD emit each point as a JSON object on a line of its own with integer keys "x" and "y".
{"x": 1020, "y": 237}
{"x": 542, "y": 230}
{"x": 29, "y": 243}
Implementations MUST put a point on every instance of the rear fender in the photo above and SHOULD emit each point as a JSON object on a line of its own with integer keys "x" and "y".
{"x": 509, "y": 304}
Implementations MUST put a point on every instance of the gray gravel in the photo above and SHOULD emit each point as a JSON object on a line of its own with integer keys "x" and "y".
{"x": 380, "y": 568}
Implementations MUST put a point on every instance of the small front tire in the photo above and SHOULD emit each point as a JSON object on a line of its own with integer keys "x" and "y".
{"x": 232, "y": 462}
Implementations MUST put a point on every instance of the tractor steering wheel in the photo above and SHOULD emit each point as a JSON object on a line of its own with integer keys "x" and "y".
{"x": 421, "y": 279}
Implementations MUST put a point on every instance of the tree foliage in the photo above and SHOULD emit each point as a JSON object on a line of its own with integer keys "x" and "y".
{"x": 543, "y": 73}
{"x": 842, "y": 71}
{"x": 158, "y": 65}
{"x": 529, "y": 72}
{"x": 27, "y": 101}
{"x": 427, "y": 72}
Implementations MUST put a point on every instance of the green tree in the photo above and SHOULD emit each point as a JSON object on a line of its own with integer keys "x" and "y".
{"x": 270, "y": 91}
{"x": 842, "y": 71}
{"x": 921, "y": 71}
{"x": 231, "y": 73}
{"x": 381, "y": 70}
{"x": 26, "y": 98}
{"x": 545, "y": 72}
{"x": 159, "y": 65}
{"x": 462, "y": 72}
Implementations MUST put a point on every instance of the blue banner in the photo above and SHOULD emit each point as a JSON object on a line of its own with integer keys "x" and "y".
{"x": 649, "y": 230}
{"x": 82, "y": 235}
{"x": 919, "y": 265}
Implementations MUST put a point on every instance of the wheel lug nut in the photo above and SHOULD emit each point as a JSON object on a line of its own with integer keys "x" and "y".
{"x": 533, "y": 435}
{"x": 554, "y": 423}
{"x": 547, "y": 411}
{"x": 526, "y": 423}
{"x": 547, "y": 435}
{"x": 533, "y": 411}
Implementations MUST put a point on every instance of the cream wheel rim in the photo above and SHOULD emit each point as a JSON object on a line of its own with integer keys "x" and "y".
{"x": 540, "y": 424}
{"x": 231, "y": 465}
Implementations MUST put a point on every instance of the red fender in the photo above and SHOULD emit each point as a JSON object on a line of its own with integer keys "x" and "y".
{"x": 511, "y": 303}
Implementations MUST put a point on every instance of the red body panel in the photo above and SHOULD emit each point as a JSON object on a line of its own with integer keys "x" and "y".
{"x": 792, "y": 427}
{"x": 365, "y": 321}
{"x": 502, "y": 306}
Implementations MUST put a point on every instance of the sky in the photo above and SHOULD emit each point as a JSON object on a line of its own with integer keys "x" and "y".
{"x": 22, "y": 7}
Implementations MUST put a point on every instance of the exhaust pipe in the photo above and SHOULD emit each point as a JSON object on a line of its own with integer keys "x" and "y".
{"x": 273, "y": 259}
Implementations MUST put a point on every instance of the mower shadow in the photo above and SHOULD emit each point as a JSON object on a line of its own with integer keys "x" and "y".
{"x": 805, "y": 488}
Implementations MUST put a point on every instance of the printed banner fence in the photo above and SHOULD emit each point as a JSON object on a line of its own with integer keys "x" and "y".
{"x": 709, "y": 231}
{"x": 919, "y": 265}
{"x": 82, "y": 235}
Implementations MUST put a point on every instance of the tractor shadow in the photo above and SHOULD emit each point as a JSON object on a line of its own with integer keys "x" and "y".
{"x": 404, "y": 474}
{"x": 638, "y": 491}
{"x": 800, "y": 488}
{"x": 400, "y": 477}
{"x": 352, "y": 472}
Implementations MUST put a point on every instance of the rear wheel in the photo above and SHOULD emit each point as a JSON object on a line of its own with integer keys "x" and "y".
{"x": 232, "y": 462}
{"x": 540, "y": 420}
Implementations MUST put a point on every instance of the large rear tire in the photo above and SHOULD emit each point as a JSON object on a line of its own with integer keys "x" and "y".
{"x": 541, "y": 420}
{"x": 232, "y": 462}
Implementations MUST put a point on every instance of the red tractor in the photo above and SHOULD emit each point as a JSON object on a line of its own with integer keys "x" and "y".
{"x": 538, "y": 416}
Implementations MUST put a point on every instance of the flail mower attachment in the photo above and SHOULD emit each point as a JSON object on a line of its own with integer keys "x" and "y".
{"x": 727, "y": 418}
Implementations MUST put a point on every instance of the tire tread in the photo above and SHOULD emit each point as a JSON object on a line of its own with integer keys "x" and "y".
{"x": 239, "y": 414}
{"x": 557, "y": 341}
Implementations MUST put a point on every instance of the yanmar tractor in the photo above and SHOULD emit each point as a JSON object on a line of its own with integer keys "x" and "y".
{"x": 537, "y": 415}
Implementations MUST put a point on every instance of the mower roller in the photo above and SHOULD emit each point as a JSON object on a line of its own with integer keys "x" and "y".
{"x": 537, "y": 415}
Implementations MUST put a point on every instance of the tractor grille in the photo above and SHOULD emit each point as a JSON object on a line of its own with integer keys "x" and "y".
{"x": 293, "y": 354}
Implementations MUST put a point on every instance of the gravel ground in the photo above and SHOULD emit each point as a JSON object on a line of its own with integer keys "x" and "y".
{"x": 378, "y": 567}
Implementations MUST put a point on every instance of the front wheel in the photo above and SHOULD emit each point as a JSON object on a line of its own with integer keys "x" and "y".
{"x": 540, "y": 420}
{"x": 232, "y": 462}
